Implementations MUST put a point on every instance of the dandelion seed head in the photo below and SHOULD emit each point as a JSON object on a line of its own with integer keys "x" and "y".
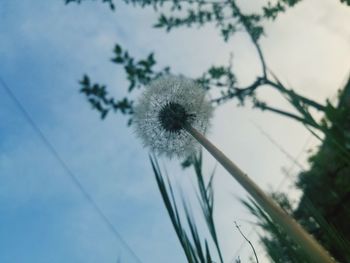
{"x": 167, "y": 103}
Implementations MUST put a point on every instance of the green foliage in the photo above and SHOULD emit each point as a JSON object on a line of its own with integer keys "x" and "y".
{"x": 138, "y": 73}
{"x": 326, "y": 186}
{"x": 170, "y": 204}
{"x": 204, "y": 12}
{"x": 109, "y": 2}
{"x": 196, "y": 247}
{"x": 279, "y": 247}
{"x": 206, "y": 200}
{"x": 272, "y": 10}
{"x": 323, "y": 209}
{"x": 99, "y": 100}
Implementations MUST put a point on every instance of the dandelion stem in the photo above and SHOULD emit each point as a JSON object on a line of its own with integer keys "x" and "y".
{"x": 311, "y": 247}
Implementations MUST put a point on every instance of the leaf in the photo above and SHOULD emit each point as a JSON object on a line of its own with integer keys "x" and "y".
{"x": 117, "y": 49}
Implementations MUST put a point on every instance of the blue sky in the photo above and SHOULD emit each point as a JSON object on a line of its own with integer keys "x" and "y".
{"x": 45, "y": 50}
{"x": 45, "y": 47}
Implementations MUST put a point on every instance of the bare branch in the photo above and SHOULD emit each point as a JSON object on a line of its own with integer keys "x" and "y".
{"x": 250, "y": 243}
{"x": 254, "y": 39}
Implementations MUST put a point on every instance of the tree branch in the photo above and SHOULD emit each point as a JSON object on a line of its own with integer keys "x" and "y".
{"x": 280, "y": 87}
{"x": 240, "y": 92}
{"x": 253, "y": 37}
{"x": 288, "y": 114}
{"x": 249, "y": 242}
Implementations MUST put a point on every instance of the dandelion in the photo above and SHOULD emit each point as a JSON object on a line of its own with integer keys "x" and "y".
{"x": 171, "y": 117}
{"x": 166, "y": 105}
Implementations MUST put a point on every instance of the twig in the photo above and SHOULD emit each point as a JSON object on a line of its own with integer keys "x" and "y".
{"x": 250, "y": 243}
{"x": 255, "y": 42}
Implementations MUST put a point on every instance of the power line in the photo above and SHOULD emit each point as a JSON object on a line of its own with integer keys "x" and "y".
{"x": 294, "y": 160}
{"x": 66, "y": 168}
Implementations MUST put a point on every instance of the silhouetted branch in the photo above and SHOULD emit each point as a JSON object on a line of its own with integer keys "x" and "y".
{"x": 250, "y": 243}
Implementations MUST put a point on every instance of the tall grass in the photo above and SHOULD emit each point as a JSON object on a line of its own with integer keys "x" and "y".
{"x": 198, "y": 247}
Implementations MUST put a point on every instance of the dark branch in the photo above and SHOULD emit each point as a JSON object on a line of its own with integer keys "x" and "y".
{"x": 250, "y": 243}
{"x": 263, "y": 106}
{"x": 280, "y": 87}
{"x": 254, "y": 32}
{"x": 240, "y": 93}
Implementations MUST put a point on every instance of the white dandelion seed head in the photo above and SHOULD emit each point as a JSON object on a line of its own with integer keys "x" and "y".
{"x": 166, "y": 103}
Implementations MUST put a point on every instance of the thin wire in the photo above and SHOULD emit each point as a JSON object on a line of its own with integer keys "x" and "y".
{"x": 288, "y": 171}
{"x": 65, "y": 167}
{"x": 294, "y": 160}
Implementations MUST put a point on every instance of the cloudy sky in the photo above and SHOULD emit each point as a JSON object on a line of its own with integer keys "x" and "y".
{"x": 45, "y": 47}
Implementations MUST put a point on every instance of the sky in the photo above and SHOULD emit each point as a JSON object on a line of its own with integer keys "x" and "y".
{"x": 45, "y": 48}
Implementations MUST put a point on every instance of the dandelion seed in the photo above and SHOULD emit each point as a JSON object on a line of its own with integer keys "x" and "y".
{"x": 166, "y": 105}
